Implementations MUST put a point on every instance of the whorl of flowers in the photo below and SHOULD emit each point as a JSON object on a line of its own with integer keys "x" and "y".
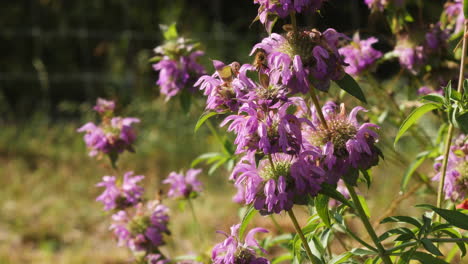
{"x": 143, "y": 228}
{"x": 380, "y": 5}
{"x": 269, "y": 9}
{"x": 454, "y": 12}
{"x": 295, "y": 58}
{"x": 275, "y": 185}
{"x": 177, "y": 66}
{"x": 360, "y": 55}
{"x": 227, "y": 87}
{"x": 268, "y": 129}
{"x": 120, "y": 196}
{"x": 456, "y": 177}
{"x": 345, "y": 144}
{"x": 183, "y": 186}
{"x": 113, "y": 135}
{"x": 234, "y": 251}
{"x": 436, "y": 38}
{"x": 410, "y": 57}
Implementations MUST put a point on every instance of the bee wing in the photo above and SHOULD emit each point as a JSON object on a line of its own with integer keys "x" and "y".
{"x": 225, "y": 73}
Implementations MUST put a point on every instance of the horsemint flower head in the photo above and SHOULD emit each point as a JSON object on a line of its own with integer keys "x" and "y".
{"x": 380, "y": 5}
{"x": 143, "y": 228}
{"x": 155, "y": 259}
{"x": 455, "y": 17}
{"x": 345, "y": 144}
{"x": 360, "y": 55}
{"x": 276, "y": 183}
{"x": 456, "y": 177}
{"x": 184, "y": 186}
{"x": 265, "y": 128}
{"x": 177, "y": 66}
{"x": 436, "y": 38}
{"x": 234, "y": 251}
{"x": 226, "y": 88}
{"x": 410, "y": 56}
{"x": 123, "y": 195}
{"x": 295, "y": 58}
{"x": 113, "y": 136}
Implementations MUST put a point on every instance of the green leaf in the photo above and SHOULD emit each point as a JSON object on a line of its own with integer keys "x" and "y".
{"x": 205, "y": 116}
{"x": 321, "y": 205}
{"x": 455, "y": 234}
{"x": 185, "y": 101}
{"x": 203, "y": 157}
{"x": 436, "y": 98}
{"x": 341, "y": 258}
{"x": 348, "y": 84}
{"x": 402, "y": 219}
{"x": 169, "y": 32}
{"x": 414, "y": 117}
{"x": 331, "y": 192}
{"x": 429, "y": 246}
{"x": 367, "y": 177}
{"x": 362, "y": 252}
{"x": 425, "y": 258}
{"x": 249, "y": 214}
{"x": 465, "y": 8}
{"x": 364, "y": 205}
{"x": 391, "y": 232}
{"x": 462, "y": 120}
{"x": 282, "y": 258}
{"x": 412, "y": 168}
{"x": 455, "y": 218}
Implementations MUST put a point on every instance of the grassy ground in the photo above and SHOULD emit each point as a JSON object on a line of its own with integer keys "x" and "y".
{"x": 48, "y": 212}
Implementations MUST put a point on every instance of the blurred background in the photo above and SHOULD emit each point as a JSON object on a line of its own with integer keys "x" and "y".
{"x": 58, "y": 56}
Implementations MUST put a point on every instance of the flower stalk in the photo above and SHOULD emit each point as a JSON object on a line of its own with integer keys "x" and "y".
{"x": 301, "y": 236}
{"x": 362, "y": 214}
{"x": 448, "y": 141}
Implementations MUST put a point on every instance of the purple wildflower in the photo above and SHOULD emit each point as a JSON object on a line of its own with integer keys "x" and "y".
{"x": 360, "y": 55}
{"x": 234, "y": 251}
{"x": 267, "y": 129}
{"x": 410, "y": 57}
{"x": 144, "y": 229}
{"x": 178, "y": 67}
{"x": 269, "y": 8}
{"x": 120, "y": 196}
{"x": 380, "y": 5}
{"x": 345, "y": 144}
{"x": 424, "y": 90}
{"x": 183, "y": 186}
{"x": 295, "y": 58}
{"x": 436, "y": 38}
{"x": 113, "y": 136}
{"x": 455, "y": 16}
{"x": 226, "y": 92}
{"x": 104, "y": 106}
{"x": 456, "y": 177}
{"x": 156, "y": 259}
{"x": 274, "y": 188}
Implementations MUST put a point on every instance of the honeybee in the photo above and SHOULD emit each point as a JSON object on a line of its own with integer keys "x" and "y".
{"x": 260, "y": 61}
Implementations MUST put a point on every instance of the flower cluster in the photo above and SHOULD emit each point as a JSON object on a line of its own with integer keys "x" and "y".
{"x": 142, "y": 229}
{"x": 177, "y": 66}
{"x": 380, "y": 5}
{"x": 184, "y": 186}
{"x": 411, "y": 57}
{"x": 120, "y": 196}
{"x": 298, "y": 57}
{"x": 234, "y": 251}
{"x": 456, "y": 181}
{"x": 360, "y": 55}
{"x": 113, "y": 135}
{"x": 454, "y": 13}
{"x": 269, "y": 9}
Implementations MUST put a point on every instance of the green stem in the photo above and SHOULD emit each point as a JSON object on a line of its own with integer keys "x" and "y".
{"x": 301, "y": 235}
{"x": 313, "y": 95}
{"x": 362, "y": 214}
{"x": 271, "y": 162}
{"x": 195, "y": 219}
{"x": 448, "y": 141}
{"x": 294, "y": 22}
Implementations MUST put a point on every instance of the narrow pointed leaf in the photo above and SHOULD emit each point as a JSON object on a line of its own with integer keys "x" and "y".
{"x": 321, "y": 205}
{"x": 205, "y": 116}
{"x": 348, "y": 84}
{"x": 414, "y": 117}
{"x": 429, "y": 246}
{"x": 453, "y": 217}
